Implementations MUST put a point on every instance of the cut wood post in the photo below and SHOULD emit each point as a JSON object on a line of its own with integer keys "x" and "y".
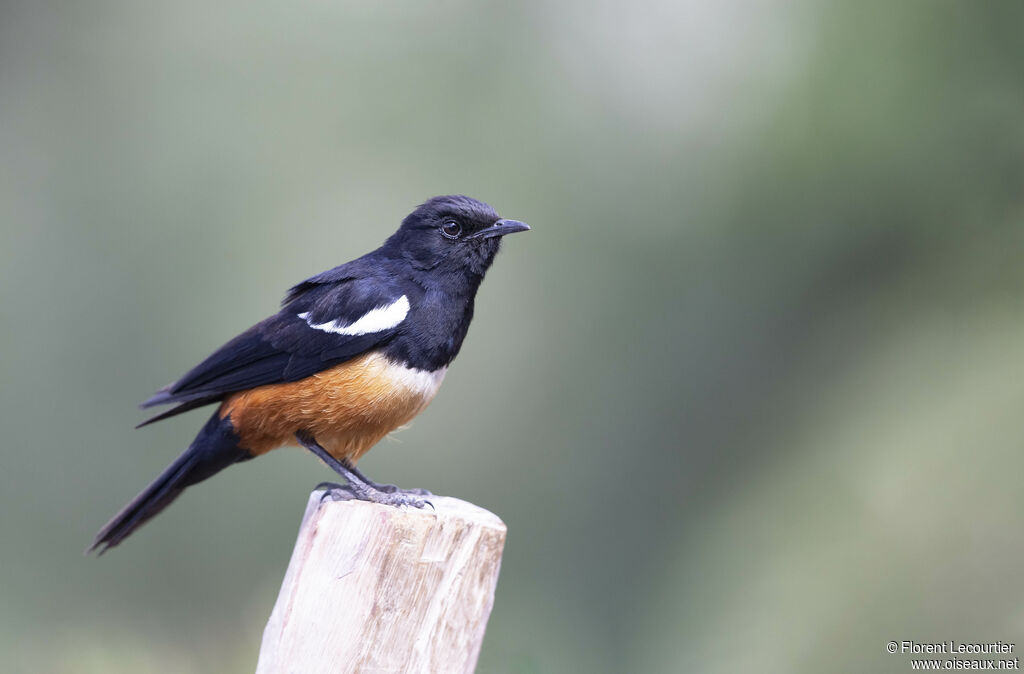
{"x": 373, "y": 588}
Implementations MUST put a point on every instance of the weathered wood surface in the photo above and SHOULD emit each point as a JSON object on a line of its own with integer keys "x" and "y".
{"x": 374, "y": 588}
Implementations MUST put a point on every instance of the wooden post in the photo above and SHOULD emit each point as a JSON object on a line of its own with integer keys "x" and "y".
{"x": 374, "y": 588}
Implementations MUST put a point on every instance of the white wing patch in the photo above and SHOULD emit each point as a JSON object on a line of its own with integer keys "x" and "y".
{"x": 375, "y": 320}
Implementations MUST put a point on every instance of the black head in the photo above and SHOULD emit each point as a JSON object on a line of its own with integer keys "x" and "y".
{"x": 452, "y": 232}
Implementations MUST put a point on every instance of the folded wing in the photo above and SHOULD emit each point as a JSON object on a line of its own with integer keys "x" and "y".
{"x": 324, "y": 324}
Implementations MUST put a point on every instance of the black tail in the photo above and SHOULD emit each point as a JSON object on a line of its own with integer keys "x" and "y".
{"x": 215, "y": 448}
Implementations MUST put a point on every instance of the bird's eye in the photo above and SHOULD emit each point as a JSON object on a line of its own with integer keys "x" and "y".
{"x": 451, "y": 229}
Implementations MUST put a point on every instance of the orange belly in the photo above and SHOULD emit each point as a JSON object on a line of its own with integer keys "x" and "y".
{"x": 348, "y": 408}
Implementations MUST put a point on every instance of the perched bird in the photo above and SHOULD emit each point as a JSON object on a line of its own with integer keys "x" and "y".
{"x": 354, "y": 353}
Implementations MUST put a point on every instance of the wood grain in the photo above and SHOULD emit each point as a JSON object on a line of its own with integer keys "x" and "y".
{"x": 373, "y": 588}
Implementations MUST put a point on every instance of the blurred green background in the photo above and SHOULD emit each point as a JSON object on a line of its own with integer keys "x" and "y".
{"x": 750, "y": 397}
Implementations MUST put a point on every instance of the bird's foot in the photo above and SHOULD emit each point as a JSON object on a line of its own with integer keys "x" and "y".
{"x": 359, "y": 486}
{"x": 400, "y": 497}
{"x": 394, "y": 488}
{"x": 385, "y": 494}
{"x": 335, "y": 492}
{"x": 386, "y": 488}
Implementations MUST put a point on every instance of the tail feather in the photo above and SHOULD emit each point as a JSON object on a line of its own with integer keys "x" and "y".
{"x": 215, "y": 448}
{"x": 161, "y": 397}
{"x": 153, "y": 499}
{"x": 174, "y": 411}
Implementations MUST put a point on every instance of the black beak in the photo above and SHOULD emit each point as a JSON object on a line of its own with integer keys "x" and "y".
{"x": 501, "y": 228}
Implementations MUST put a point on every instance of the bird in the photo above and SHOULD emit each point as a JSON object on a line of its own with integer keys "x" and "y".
{"x": 353, "y": 353}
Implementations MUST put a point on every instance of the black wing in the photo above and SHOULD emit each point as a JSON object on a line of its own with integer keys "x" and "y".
{"x": 318, "y": 327}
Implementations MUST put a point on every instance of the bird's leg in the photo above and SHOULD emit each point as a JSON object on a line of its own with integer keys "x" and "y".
{"x": 358, "y": 485}
{"x": 388, "y": 488}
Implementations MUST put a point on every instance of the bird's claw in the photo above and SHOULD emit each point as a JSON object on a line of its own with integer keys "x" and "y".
{"x": 335, "y": 492}
{"x": 387, "y": 494}
{"x": 400, "y": 498}
{"x": 394, "y": 488}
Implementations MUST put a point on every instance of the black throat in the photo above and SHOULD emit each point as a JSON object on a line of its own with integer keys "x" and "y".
{"x": 441, "y": 309}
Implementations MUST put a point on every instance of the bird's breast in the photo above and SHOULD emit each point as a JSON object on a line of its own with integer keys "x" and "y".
{"x": 348, "y": 408}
